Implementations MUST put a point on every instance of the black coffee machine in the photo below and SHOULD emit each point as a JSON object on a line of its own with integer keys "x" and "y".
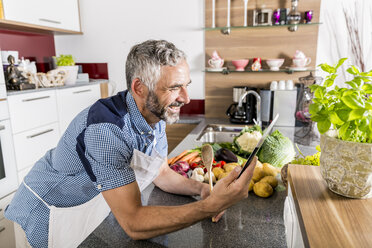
{"x": 243, "y": 110}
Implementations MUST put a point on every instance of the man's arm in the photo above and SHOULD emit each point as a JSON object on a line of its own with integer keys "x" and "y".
{"x": 170, "y": 181}
{"x": 143, "y": 222}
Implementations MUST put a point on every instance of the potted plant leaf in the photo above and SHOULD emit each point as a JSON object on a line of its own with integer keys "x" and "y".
{"x": 67, "y": 63}
{"x": 344, "y": 120}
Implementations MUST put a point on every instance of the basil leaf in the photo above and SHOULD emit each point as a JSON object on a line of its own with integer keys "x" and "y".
{"x": 315, "y": 108}
{"x": 356, "y": 114}
{"x": 367, "y": 88}
{"x": 318, "y": 118}
{"x": 343, "y": 114}
{"x": 327, "y": 68}
{"x": 352, "y": 101}
{"x": 335, "y": 119}
{"x": 340, "y": 62}
{"x": 343, "y": 129}
{"x": 363, "y": 125}
{"x": 323, "y": 126}
{"x": 352, "y": 84}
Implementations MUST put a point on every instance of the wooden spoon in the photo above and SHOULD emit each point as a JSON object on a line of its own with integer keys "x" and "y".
{"x": 207, "y": 157}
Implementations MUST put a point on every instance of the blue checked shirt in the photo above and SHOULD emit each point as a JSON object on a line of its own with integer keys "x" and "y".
{"x": 92, "y": 156}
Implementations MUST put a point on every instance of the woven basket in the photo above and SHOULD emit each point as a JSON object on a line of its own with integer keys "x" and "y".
{"x": 346, "y": 167}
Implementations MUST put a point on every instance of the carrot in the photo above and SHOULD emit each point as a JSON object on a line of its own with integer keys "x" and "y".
{"x": 188, "y": 156}
{"x": 176, "y": 158}
{"x": 192, "y": 158}
{"x": 195, "y": 160}
{"x": 170, "y": 160}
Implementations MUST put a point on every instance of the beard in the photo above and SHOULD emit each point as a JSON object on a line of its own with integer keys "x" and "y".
{"x": 162, "y": 112}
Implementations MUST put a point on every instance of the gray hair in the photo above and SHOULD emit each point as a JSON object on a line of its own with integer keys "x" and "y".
{"x": 145, "y": 60}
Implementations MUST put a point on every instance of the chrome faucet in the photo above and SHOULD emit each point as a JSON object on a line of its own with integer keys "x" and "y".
{"x": 258, "y": 106}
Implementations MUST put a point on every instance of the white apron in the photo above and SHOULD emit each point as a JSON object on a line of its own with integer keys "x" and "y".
{"x": 70, "y": 226}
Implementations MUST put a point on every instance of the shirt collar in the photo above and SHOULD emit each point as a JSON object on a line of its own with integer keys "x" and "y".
{"x": 138, "y": 120}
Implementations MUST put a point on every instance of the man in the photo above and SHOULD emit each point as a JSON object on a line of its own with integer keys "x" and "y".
{"x": 117, "y": 147}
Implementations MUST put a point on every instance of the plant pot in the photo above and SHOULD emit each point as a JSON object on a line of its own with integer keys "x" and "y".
{"x": 72, "y": 72}
{"x": 346, "y": 166}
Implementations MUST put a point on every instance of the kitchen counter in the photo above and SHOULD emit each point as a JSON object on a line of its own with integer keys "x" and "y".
{"x": 253, "y": 222}
{"x": 342, "y": 221}
{"x": 78, "y": 84}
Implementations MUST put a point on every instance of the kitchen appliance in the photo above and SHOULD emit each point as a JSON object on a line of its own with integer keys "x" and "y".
{"x": 282, "y": 102}
{"x": 8, "y": 171}
{"x": 247, "y": 103}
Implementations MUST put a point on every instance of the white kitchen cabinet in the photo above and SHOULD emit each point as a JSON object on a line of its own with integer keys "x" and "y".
{"x": 50, "y": 13}
{"x": 31, "y": 110}
{"x": 31, "y": 145}
{"x": 72, "y": 101}
{"x": 291, "y": 223}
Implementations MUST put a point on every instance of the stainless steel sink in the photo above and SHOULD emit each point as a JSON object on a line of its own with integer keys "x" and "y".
{"x": 219, "y": 133}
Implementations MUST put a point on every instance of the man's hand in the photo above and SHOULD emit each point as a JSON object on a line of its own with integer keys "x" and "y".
{"x": 230, "y": 190}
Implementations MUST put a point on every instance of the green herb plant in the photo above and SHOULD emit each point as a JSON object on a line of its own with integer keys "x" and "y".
{"x": 65, "y": 60}
{"x": 346, "y": 110}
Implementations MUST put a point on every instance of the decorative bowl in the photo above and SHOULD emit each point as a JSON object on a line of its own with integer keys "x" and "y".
{"x": 240, "y": 64}
{"x": 274, "y": 64}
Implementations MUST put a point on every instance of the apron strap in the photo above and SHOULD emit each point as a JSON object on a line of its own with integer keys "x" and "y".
{"x": 33, "y": 192}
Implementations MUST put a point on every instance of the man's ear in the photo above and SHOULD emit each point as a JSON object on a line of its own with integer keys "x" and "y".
{"x": 138, "y": 88}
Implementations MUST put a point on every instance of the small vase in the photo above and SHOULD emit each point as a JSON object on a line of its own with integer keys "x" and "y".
{"x": 72, "y": 72}
{"x": 346, "y": 166}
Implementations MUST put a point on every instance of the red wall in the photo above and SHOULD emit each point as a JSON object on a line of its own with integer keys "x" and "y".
{"x": 36, "y": 47}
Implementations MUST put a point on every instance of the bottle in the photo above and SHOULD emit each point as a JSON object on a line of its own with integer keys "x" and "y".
{"x": 294, "y": 17}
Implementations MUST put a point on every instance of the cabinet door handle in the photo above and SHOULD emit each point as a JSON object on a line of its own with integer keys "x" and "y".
{"x": 2, "y": 228}
{"x": 34, "y": 99}
{"x": 2, "y": 127}
{"x": 48, "y": 20}
{"x": 38, "y": 134}
{"x": 2, "y": 99}
{"x": 80, "y": 91}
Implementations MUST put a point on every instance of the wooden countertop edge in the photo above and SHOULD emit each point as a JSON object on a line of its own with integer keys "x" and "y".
{"x": 298, "y": 209}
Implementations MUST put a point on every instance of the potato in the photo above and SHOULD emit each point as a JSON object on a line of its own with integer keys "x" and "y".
{"x": 257, "y": 173}
{"x": 270, "y": 180}
{"x": 251, "y": 183}
{"x": 230, "y": 166}
{"x": 263, "y": 189}
{"x": 222, "y": 175}
{"x": 269, "y": 170}
{"x": 217, "y": 171}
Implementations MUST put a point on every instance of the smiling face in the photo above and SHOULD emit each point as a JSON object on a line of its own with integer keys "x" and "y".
{"x": 170, "y": 93}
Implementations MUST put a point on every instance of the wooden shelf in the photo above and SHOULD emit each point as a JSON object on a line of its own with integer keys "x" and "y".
{"x": 20, "y": 26}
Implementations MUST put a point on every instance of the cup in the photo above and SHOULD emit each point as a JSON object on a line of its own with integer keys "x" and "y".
{"x": 289, "y": 85}
{"x": 281, "y": 85}
{"x": 274, "y": 85}
{"x": 216, "y": 63}
{"x": 240, "y": 64}
{"x": 301, "y": 62}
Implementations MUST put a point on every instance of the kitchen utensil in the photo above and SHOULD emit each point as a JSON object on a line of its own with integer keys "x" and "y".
{"x": 281, "y": 85}
{"x": 245, "y": 13}
{"x": 207, "y": 157}
{"x": 265, "y": 134}
{"x": 245, "y": 112}
{"x": 301, "y": 62}
{"x": 274, "y": 85}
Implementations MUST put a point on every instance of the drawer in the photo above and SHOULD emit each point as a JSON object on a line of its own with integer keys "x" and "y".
{"x": 7, "y": 236}
{"x": 31, "y": 145}
{"x": 3, "y": 203}
{"x": 72, "y": 101}
{"x": 31, "y": 110}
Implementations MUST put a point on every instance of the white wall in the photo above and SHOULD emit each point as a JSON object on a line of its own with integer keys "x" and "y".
{"x": 334, "y": 39}
{"x": 112, "y": 27}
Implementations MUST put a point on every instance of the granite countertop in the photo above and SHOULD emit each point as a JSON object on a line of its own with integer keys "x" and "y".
{"x": 78, "y": 84}
{"x": 253, "y": 222}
